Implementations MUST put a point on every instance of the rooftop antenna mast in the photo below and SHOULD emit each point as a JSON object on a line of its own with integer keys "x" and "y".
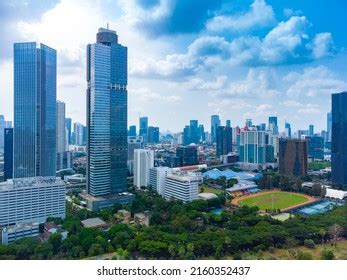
{"x": 107, "y": 25}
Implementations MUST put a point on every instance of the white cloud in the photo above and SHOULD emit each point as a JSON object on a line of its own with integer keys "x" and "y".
{"x": 259, "y": 15}
{"x": 147, "y": 95}
{"x": 322, "y": 45}
{"x": 312, "y": 82}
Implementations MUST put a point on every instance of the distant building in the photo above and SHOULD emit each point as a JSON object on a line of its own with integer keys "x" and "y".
{"x": 188, "y": 155}
{"x": 8, "y": 154}
{"x": 132, "y": 131}
{"x": 143, "y": 162}
{"x": 273, "y": 126}
{"x": 252, "y": 148}
{"x": 293, "y": 157}
{"x": 68, "y": 126}
{"x": 315, "y": 147}
{"x": 143, "y": 127}
{"x": 224, "y": 139}
{"x": 94, "y": 223}
{"x": 288, "y": 130}
{"x": 61, "y": 140}
{"x": 2, "y": 128}
{"x": 338, "y": 140}
{"x": 329, "y": 126}
{"x": 311, "y": 130}
{"x": 78, "y": 133}
{"x": 183, "y": 186}
{"x": 153, "y": 135}
{"x": 157, "y": 177}
{"x": 134, "y": 142}
{"x": 215, "y": 122}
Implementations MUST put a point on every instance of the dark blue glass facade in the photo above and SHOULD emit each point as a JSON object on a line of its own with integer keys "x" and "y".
{"x": 8, "y": 153}
{"x": 107, "y": 100}
{"x": 35, "y": 75}
{"x": 339, "y": 139}
{"x": 143, "y": 127}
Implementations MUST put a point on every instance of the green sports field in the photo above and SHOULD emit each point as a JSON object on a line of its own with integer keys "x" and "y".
{"x": 274, "y": 200}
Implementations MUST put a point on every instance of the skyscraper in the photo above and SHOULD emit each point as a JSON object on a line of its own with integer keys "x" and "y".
{"x": 153, "y": 135}
{"x": 61, "y": 130}
{"x": 35, "y": 75}
{"x": 78, "y": 134}
{"x": 132, "y": 131}
{"x": 8, "y": 154}
{"x": 215, "y": 122}
{"x": 288, "y": 130}
{"x": 273, "y": 126}
{"x": 252, "y": 146}
{"x": 329, "y": 126}
{"x": 293, "y": 157}
{"x": 339, "y": 139}
{"x": 2, "y": 129}
{"x": 310, "y": 130}
{"x": 68, "y": 125}
{"x": 194, "y": 131}
{"x": 224, "y": 140}
{"x": 106, "y": 118}
{"x": 201, "y": 132}
{"x": 143, "y": 127}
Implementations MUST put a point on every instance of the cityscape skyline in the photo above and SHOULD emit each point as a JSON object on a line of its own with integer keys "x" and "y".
{"x": 301, "y": 79}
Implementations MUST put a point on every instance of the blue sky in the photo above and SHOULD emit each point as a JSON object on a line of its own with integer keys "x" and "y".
{"x": 191, "y": 59}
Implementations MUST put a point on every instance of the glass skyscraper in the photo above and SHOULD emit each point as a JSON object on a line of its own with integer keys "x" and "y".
{"x": 215, "y": 122}
{"x": 107, "y": 115}
{"x": 339, "y": 139}
{"x": 35, "y": 78}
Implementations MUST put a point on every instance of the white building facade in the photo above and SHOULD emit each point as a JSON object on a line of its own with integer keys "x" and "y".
{"x": 143, "y": 162}
{"x": 182, "y": 186}
{"x": 157, "y": 177}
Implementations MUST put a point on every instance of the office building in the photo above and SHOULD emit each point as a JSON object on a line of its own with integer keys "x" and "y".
{"x": 315, "y": 147}
{"x": 249, "y": 123}
{"x": 187, "y": 155}
{"x": 61, "y": 140}
{"x": 107, "y": 121}
{"x": 311, "y": 131}
{"x": 228, "y": 123}
{"x": 293, "y": 157}
{"x": 8, "y": 124}
{"x": 143, "y": 127}
{"x": 68, "y": 126}
{"x": 288, "y": 130}
{"x": 8, "y": 154}
{"x": 339, "y": 138}
{"x": 273, "y": 126}
{"x": 194, "y": 132}
{"x": 183, "y": 186}
{"x": 153, "y": 135}
{"x": 261, "y": 127}
{"x": 157, "y": 177}
{"x": 132, "y": 131}
{"x": 2, "y": 129}
{"x": 133, "y": 144}
{"x": 201, "y": 130}
{"x": 224, "y": 139}
{"x": 252, "y": 148}
{"x": 78, "y": 134}
{"x": 329, "y": 127}
{"x": 143, "y": 162}
{"x": 35, "y": 78}
{"x": 215, "y": 122}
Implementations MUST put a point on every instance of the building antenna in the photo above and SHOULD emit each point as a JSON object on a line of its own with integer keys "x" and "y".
{"x": 107, "y": 25}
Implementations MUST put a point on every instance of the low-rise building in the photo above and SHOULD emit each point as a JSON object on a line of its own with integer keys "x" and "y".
{"x": 94, "y": 223}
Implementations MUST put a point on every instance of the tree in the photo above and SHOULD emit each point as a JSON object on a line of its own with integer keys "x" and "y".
{"x": 327, "y": 255}
{"x": 309, "y": 243}
{"x": 55, "y": 240}
{"x": 335, "y": 232}
{"x": 322, "y": 232}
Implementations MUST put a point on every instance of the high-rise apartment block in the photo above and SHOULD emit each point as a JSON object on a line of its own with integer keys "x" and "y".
{"x": 143, "y": 162}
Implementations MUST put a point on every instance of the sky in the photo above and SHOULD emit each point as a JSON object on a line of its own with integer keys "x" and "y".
{"x": 194, "y": 58}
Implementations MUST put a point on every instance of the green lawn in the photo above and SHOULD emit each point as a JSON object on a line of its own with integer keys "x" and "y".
{"x": 210, "y": 190}
{"x": 275, "y": 200}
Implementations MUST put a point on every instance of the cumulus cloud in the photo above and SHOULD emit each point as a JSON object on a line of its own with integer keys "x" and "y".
{"x": 322, "y": 45}
{"x": 258, "y": 16}
{"x": 312, "y": 82}
{"x": 159, "y": 18}
{"x": 286, "y": 43}
{"x": 147, "y": 95}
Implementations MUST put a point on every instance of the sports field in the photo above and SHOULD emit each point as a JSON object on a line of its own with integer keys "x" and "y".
{"x": 274, "y": 200}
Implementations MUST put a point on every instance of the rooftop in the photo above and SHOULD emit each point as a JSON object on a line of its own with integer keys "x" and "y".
{"x": 93, "y": 223}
